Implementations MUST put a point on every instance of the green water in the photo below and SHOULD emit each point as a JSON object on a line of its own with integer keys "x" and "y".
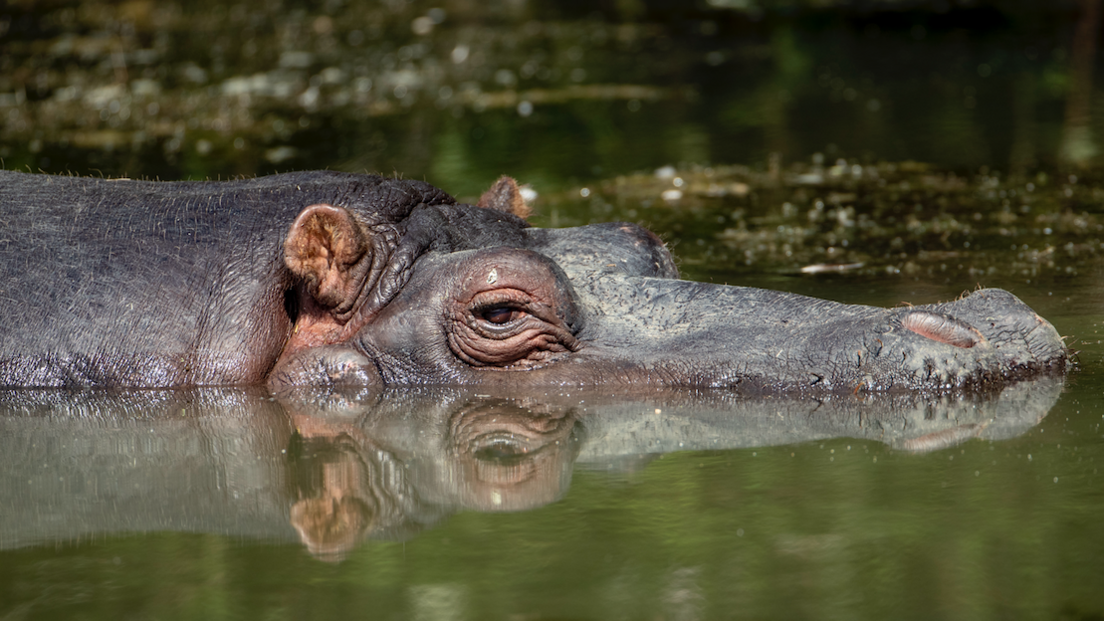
{"x": 181, "y": 505}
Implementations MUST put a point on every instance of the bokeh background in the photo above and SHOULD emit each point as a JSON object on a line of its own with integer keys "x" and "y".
{"x": 554, "y": 93}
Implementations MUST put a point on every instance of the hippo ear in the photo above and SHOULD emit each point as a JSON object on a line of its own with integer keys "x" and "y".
{"x": 505, "y": 195}
{"x": 326, "y": 248}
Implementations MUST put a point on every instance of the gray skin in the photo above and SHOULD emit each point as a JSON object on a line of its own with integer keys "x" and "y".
{"x": 337, "y": 279}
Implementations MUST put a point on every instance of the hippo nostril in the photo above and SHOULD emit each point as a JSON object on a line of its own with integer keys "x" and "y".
{"x": 941, "y": 328}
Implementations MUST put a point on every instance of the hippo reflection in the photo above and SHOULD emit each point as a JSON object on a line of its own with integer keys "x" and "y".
{"x": 486, "y": 455}
{"x": 331, "y": 469}
{"x": 326, "y": 278}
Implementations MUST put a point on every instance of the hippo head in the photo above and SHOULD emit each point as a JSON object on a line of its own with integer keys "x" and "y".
{"x": 463, "y": 294}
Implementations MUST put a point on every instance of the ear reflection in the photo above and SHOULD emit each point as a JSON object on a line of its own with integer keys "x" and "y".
{"x": 334, "y": 507}
{"x": 345, "y": 488}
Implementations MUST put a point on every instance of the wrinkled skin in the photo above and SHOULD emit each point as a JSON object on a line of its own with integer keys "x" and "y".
{"x": 337, "y": 279}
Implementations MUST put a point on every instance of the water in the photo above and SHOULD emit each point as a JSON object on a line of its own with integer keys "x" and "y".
{"x": 178, "y": 504}
{"x": 460, "y": 505}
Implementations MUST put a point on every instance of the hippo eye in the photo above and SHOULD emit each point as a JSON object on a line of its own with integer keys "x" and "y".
{"x": 509, "y": 328}
{"x": 500, "y": 314}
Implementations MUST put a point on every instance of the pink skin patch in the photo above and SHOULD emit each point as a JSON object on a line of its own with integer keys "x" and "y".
{"x": 941, "y": 328}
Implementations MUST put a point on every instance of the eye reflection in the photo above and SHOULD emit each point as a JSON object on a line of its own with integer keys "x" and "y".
{"x": 501, "y": 450}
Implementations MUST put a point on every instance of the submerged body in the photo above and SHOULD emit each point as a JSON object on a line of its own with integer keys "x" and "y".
{"x": 325, "y": 278}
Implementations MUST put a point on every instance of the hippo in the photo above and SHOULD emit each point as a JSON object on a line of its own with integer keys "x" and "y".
{"x": 338, "y": 279}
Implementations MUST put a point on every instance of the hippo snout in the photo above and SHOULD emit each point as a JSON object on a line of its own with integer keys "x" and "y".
{"x": 1022, "y": 341}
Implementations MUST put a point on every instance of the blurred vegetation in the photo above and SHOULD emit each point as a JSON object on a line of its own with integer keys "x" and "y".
{"x": 567, "y": 95}
{"x": 553, "y": 93}
{"x": 905, "y": 219}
